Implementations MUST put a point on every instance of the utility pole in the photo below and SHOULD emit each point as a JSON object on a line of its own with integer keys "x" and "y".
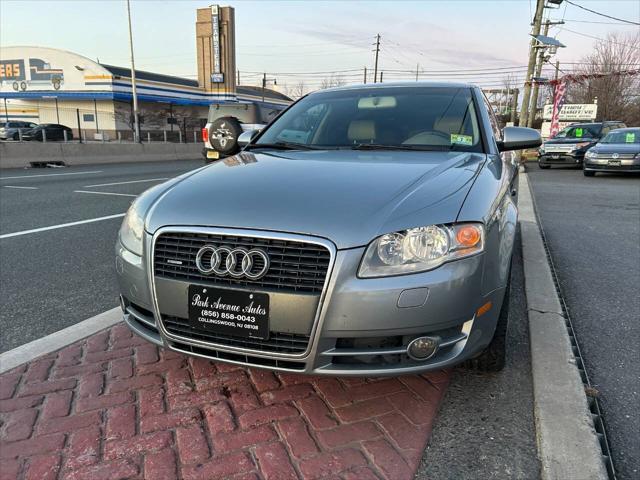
{"x": 375, "y": 68}
{"x": 238, "y": 77}
{"x": 526, "y": 98}
{"x": 381, "y": 72}
{"x": 514, "y": 104}
{"x": 417, "y": 71}
{"x": 136, "y": 122}
{"x": 264, "y": 84}
{"x": 365, "y": 74}
{"x": 557, "y": 69}
{"x": 536, "y": 86}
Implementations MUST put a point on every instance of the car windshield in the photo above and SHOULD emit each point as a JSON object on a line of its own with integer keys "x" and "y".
{"x": 581, "y": 131}
{"x": 623, "y": 136}
{"x": 404, "y": 118}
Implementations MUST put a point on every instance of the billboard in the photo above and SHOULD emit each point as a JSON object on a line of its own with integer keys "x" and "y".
{"x": 578, "y": 112}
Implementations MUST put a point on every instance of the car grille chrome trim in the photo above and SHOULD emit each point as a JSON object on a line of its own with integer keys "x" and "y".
{"x": 257, "y": 235}
{"x": 294, "y": 266}
{"x": 559, "y": 148}
{"x": 277, "y": 342}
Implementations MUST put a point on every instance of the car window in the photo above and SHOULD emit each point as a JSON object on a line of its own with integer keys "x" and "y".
{"x": 32, "y": 125}
{"x": 428, "y": 118}
{"x": 495, "y": 127}
{"x": 581, "y": 131}
{"x": 623, "y": 136}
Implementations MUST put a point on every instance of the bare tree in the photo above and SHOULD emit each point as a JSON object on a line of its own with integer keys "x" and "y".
{"x": 296, "y": 91}
{"x": 332, "y": 81}
{"x": 616, "y": 92}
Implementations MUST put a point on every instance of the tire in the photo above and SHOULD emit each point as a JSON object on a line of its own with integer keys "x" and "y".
{"x": 588, "y": 173}
{"x": 223, "y": 135}
{"x": 493, "y": 358}
{"x": 543, "y": 167}
{"x": 16, "y": 136}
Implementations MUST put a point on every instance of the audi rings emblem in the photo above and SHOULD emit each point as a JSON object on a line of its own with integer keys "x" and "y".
{"x": 234, "y": 262}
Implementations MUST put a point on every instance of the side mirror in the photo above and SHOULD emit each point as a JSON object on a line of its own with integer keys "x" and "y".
{"x": 245, "y": 137}
{"x": 519, "y": 138}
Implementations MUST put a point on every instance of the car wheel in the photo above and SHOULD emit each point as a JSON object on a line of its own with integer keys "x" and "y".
{"x": 16, "y": 136}
{"x": 588, "y": 173}
{"x": 493, "y": 358}
{"x": 544, "y": 167}
{"x": 224, "y": 134}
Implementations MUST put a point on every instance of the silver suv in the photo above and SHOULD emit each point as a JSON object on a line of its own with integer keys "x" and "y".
{"x": 368, "y": 230}
{"x": 226, "y": 122}
{"x": 12, "y": 130}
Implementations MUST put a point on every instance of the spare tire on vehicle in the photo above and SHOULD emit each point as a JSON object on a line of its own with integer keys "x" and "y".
{"x": 223, "y": 135}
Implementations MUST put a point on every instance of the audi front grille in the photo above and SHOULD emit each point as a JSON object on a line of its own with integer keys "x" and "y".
{"x": 277, "y": 342}
{"x": 295, "y": 267}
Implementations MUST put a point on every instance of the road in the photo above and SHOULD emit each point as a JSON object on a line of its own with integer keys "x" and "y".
{"x": 592, "y": 226}
{"x": 59, "y": 275}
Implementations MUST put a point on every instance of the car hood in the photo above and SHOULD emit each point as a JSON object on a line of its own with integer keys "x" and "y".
{"x": 349, "y": 197}
{"x": 616, "y": 148}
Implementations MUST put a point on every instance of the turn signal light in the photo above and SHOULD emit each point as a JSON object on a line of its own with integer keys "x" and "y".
{"x": 468, "y": 236}
{"x": 205, "y": 135}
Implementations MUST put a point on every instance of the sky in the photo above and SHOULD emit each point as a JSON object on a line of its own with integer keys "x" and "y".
{"x": 285, "y": 38}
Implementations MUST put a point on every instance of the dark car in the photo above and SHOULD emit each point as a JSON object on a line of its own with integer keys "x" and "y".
{"x": 48, "y": 131}
{"x": 619, "y": 151}
{"x": 569, "y": 146}
{"x": 12, "y": 130}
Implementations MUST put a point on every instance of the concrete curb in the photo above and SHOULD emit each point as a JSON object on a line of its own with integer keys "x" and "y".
{"x": 58, "y": 340}
{"x": 568, "y": 445}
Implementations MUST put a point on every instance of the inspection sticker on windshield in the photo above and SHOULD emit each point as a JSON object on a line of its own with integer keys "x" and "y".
{"x": 630, "y": 137}
{"x": 578, "y": 132}
{"x": 457, "y": 139}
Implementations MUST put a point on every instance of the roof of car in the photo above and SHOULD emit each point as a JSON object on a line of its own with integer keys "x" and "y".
{"x": 400, "y": 84}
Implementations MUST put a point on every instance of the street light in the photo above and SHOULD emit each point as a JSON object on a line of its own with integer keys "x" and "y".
{"x": 136, "y": 122}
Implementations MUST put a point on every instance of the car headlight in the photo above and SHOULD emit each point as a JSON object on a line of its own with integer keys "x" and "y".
{"x": 578, "y": 146}
{"x": 541, "y": 150}
{"x": 420, "y": 249}
{"x": 132, "y": 229}
{"x": 591, "y": 154}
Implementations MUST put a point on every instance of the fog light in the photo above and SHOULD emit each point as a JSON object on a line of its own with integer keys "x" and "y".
{"x": 423, "y": 348}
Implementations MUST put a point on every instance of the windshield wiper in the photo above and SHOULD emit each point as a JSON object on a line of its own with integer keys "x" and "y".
{"x": 281, "y": 146}
{"x": 379, "y": 146}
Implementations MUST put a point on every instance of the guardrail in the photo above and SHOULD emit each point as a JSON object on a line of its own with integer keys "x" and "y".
{"x": 123, "y": 136}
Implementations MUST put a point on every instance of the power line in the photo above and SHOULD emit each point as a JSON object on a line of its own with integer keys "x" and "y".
{"x": 601, "y": 39}
{"x": 602, "y": 14}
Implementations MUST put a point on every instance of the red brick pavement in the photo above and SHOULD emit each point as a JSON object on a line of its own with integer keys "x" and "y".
{"x": 114, "y": 406}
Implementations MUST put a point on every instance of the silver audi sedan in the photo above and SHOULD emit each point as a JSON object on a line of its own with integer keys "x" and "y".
{"x": 368, "y": 230}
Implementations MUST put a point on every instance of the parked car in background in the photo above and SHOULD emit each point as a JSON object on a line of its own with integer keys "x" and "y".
{"x": 226, "y": 122}
{"x": 48, "y": 131}
{"x": 619, "y": 151}
{"x": 569, "y": 146}
{"x": 11, "y": 130}
{"x": 368, "y": 230}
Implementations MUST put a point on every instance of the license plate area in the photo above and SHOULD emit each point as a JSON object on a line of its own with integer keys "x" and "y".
{"x": 213, "y": 155}
{"x": 229, "y": 312}
{"x": 614, "y": 163}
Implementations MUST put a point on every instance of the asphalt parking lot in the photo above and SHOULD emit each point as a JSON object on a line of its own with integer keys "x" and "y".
{"x": 592, "y": 226}
{"x": 51, "y": 275}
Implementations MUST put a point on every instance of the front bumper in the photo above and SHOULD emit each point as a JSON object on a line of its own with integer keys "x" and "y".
{"x": 565, "y": 158}
{"x": 360, "y": 326}
{"x": 606, "y": 165}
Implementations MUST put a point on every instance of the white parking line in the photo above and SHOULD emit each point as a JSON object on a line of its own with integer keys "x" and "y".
{"x": 125, "y": 183}
{"x": 106, "y": 193}
{"x": 62, "y": 225}
{"x": 51, "y": 175}
{"x": 24, "y": 188}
